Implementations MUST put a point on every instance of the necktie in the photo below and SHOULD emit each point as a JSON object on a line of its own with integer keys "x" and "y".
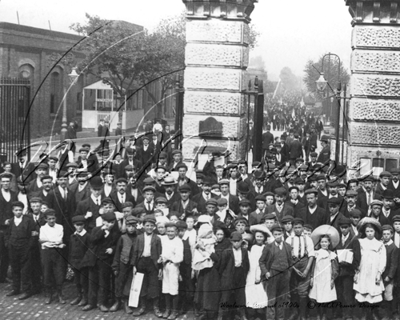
{"x": 97, "y": 202}
{"x": 368, "y": 198}
{"x": 148, "y": 206}
{"x": 64, "y": 193}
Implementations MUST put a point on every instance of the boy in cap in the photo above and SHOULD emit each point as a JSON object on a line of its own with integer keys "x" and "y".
{"x": 387, "y": 210}
{"x": 20, "y": 241}
{"x": 121, "y": 264}
{"x": 376, "y": 209}
{"x": 146, "y": 252}
{"x": 78, "y": 246}
{"x": 392, "y": 258}
{"x": 345, "y": 280}
{"x": 53, "y": 262}
{"x": 355, "y": 217}
{"x": 274, "y": 263}
{"x": 39, "y": 220}
{"x": 98, "y": 258}
{"x": 385, "y": 178}
{"x": 302, "y": 260}
{"x": 233, "y": 271}
{"x": 287, "y": 222}
{"x": 259, "y": 213}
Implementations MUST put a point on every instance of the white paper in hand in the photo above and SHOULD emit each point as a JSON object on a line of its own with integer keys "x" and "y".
{"x": 136, "y": 286}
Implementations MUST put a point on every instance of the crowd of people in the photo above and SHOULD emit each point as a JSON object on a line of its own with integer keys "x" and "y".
{"x": 283, "y": 240}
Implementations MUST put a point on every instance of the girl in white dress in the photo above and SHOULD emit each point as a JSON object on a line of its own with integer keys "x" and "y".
{"x": 324, "y": 272}
{"x": 256, "y": 295}
{"x": 368, "y": 282}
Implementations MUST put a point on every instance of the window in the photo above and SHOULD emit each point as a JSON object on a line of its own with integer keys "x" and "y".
{"x": 55, "y": 87}
{"x": 104, "y": 100}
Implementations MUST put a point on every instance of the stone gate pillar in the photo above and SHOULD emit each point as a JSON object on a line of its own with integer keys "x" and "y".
{"x": 374, "y": 110}
{"x": 216, "y": 57}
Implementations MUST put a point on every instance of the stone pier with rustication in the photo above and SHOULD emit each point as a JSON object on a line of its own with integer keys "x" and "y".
{"x": 216, "y": 57}
{"x": 374, "y": 108}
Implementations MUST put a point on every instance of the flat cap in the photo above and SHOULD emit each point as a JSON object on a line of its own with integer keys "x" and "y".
{"x": 385, "y": 174}
{"x": 212, "y": 202}
{"x": 351, "y": 193}
{"x": 240, "y": 219}
{"x": 131, "y": 220}
{"x": 276, "y": 227}
{"x": 396, "y": 218}
{"x": 35, "y": 199}
{"x": 109, "y": 216}
{"x": 236, "y": 236}
{"x": 121, "y": 180}
{"x": 222, "y": 202}
{"x": 184, "y": 188}
{"x": 334, "y": 201}
{"x": 387, "y": 227}
{"x": 161, "y": 200}
{"x": 18, "y": 204}
{"x": 149, "y": 218}
{"x": 311, "y": 191}
{"x": 46, "y": 177}
{"x": 224, "y": 181}
{"x": 298, "y": 221}
{"x": 287, "y": 219}
{"x": 244, "y": 202}
{"x": 280, "y": 191}
{"x": 78, "y": 219}
{"x": 344, "y": 221}
{"x": 260, "y": 197}
{"x": 149, "y": 188}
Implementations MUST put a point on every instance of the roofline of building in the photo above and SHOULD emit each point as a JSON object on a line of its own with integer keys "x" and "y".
{"x": 45, "y": 32}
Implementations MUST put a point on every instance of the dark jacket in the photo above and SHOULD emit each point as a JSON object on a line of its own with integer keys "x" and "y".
{"x": 227, "y": 266}
{"x": 269, "y": 254}
{"x": 78, "y": 245}
{"x": 98, "y": 245}
{"x": 392, "y": 256}
{"x": 139, "y": 247}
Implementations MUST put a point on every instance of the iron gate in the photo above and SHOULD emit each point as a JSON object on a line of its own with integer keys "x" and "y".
{"x": 14, "y": 117}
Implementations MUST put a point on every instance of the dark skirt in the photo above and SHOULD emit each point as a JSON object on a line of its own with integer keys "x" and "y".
{"x": 208, "y": 290}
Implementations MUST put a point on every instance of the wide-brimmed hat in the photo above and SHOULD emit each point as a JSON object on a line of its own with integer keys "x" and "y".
{"x": 375, "y": 224}
{"x": 260, "y": 228}
{"x": 325, "y": 229}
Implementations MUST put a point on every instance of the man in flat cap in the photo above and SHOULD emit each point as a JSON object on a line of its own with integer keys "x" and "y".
{"x": 202, "y": 197}
{"x": 366, "y": 193}
{"x": 22, "y": 168}
{"x": 312, "y": 214}
{"x": 36, "y": 184}
{"x": 233, "y": 201}
{"x": 394, "y": 185}
{"x": 325, "y": 153}
{"x": 280, "y": 208}
{"x": 184, "y": 205}
{"x": 334, "y": 214}
{"x": 350, "y": 203}
{"x": 385, "y": 177}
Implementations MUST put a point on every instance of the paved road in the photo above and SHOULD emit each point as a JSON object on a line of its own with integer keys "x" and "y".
{"x": 34, "y": 308}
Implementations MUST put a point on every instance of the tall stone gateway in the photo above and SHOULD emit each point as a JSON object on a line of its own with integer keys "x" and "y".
{"x": 374, "y": 110}
{"x": 216, "y": 57}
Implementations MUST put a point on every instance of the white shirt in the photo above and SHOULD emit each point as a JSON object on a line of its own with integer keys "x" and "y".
{"x": 344, "y": 238}
{"x": 396, "y": 239}
{"x": 6, "y": 195}
{"x": 97, "y": 200}
{"x": 17, "y": 221}
{"x": 39, "y": 182}
{"x": 147, "y": 245}
{"x": 300, "y": 245}
{"x": 121, "y": 197}
{"x": 81, "y": 186}
{"x": 206, "y": 197}
{"x": 82, "y": 233}
{"x": 237, "y": 254}
{"x": 54, "y": 234}
{"x": 395, "y": 184}
{"x": 24, "y": 199}
{"x": 35, "y": 216}
{"x": 64, "y": 192}
{"x": 168, "y": 197}
{"x": 312, "y": 210}
{"x": 107, "y": 189}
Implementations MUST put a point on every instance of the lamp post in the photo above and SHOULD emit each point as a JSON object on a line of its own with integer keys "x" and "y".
{"x": 72, "y": 77}
{"x": 321, "y": 86}
{"x": 250, "y": 93}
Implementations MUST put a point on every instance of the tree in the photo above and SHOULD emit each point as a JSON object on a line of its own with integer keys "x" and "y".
{"x": 289, "y": 81}
{"x": 126, "y": 56}
{"x": 330, "y": 69}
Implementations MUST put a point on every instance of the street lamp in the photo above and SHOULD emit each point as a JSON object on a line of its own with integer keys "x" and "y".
{"x": 321, "y": 82}
{"x": 321, "y": 86}
{"x": 72, "y": 77}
